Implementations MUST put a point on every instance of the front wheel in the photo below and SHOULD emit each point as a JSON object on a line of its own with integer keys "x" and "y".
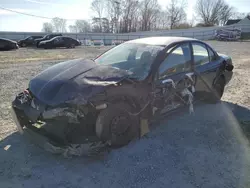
{"x": 116, "y": 126}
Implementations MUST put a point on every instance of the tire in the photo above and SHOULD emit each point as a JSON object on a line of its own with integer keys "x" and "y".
{"x": 71, "y": 46}
{"x": 46, "y": 46}
{"x": 218, "y": 90}
{"x": 116, "y": 126}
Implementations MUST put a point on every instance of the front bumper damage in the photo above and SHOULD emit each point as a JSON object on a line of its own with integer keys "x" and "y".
{"x": 30, "y": 117}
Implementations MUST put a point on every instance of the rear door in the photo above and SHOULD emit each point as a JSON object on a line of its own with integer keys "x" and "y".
{"x": 206, "y": 64}
{"x": 29, "y": 40}
{"x": 67, "y": 42}
{"x": 58, "y": 42}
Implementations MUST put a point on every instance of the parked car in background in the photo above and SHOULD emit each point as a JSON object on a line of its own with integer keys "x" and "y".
{"x": 28, "y": 41}
{"x": 98, "y": 42}
{"x": 7, "y": 44}
{"x": 80, "y": 42}
{"x": 105, "y": 99}
{"x": 59, "y": 42}
{"x": 228, "y": 34}
{"x": 47, "y": 37}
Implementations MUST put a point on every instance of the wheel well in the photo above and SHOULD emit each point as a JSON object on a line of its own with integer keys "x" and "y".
{"x": 222, "y": 77}
{"x": 133, "y": 102}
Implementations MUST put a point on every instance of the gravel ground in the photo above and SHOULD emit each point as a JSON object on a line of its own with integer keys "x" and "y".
{"x": 206, "y": 149}
{"x": 33, "y": 54}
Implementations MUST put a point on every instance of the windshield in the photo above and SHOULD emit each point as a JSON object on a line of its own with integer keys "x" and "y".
{"x": 133, "y": 57}
{"x": 27, "y": 38}
{"x": 53, "y": 38}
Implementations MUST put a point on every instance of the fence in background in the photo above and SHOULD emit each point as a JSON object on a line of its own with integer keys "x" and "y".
{"x": 202, "y": 33}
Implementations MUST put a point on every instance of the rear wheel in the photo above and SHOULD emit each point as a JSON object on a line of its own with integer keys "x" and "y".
{"x": 71, "y": 46}
{"x": 218, "y": 90}
{"x": 116, "y": 126}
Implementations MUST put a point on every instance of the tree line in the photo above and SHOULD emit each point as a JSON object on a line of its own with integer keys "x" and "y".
{"x": 123, "y": 16}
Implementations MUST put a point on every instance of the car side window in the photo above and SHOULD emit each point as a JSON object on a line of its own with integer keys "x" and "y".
{"x": 200, "y": 52}
{"x": 176, "y": 61}
{"x": 212, "y": 56}
{"x": 68, "y": 40}
{"x": 57, "y": 40}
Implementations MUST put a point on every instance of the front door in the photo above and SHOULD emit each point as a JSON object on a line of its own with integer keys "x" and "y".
{"x": 171, "y": 74}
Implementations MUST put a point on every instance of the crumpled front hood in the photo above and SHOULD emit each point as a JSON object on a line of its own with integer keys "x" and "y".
{"x": 65, "y": 80}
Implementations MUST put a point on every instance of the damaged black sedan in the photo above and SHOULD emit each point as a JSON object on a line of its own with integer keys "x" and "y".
{"x": 113, "y": 98}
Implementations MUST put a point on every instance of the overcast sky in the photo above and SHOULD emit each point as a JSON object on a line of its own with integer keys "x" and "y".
{"x": 68, "y": 9}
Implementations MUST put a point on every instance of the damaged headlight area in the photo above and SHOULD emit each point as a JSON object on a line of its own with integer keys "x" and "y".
{"x": 65, "y": 124}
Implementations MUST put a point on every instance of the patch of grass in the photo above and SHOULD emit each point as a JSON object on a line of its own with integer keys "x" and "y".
{"x": 32, "y": 55}
{"x": 27, "y": 55}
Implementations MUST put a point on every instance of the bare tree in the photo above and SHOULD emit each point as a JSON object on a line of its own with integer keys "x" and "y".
{"x": 72, "y": 29}
{"x": 129, "y": 15}
{"x": 162, "y": 21}
{"x": 82, "y": 26}
{"x": 47, "y": 27}
{"x": 176, "y": 13}
{"x": 192, "y": 21}
{"x": 213, "y": 12}
{"x": 149, "y": 10}
{"x": 239, "y": 15}
{"x": 227, "y": 12}
{"x": 59, "y": 24}
{"x": 97, "y": 25}
{"x": 98, "y": 7}
{"x": 113, "y": 10}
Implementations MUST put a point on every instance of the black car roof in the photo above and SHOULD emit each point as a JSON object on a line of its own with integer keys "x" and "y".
{"x": 166, "y": 41}
{"x": 62, "y": 37}
{"x": 7, "y": 40}
{"x": 40, "y": 36}
{"x": 57, "y": 34}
